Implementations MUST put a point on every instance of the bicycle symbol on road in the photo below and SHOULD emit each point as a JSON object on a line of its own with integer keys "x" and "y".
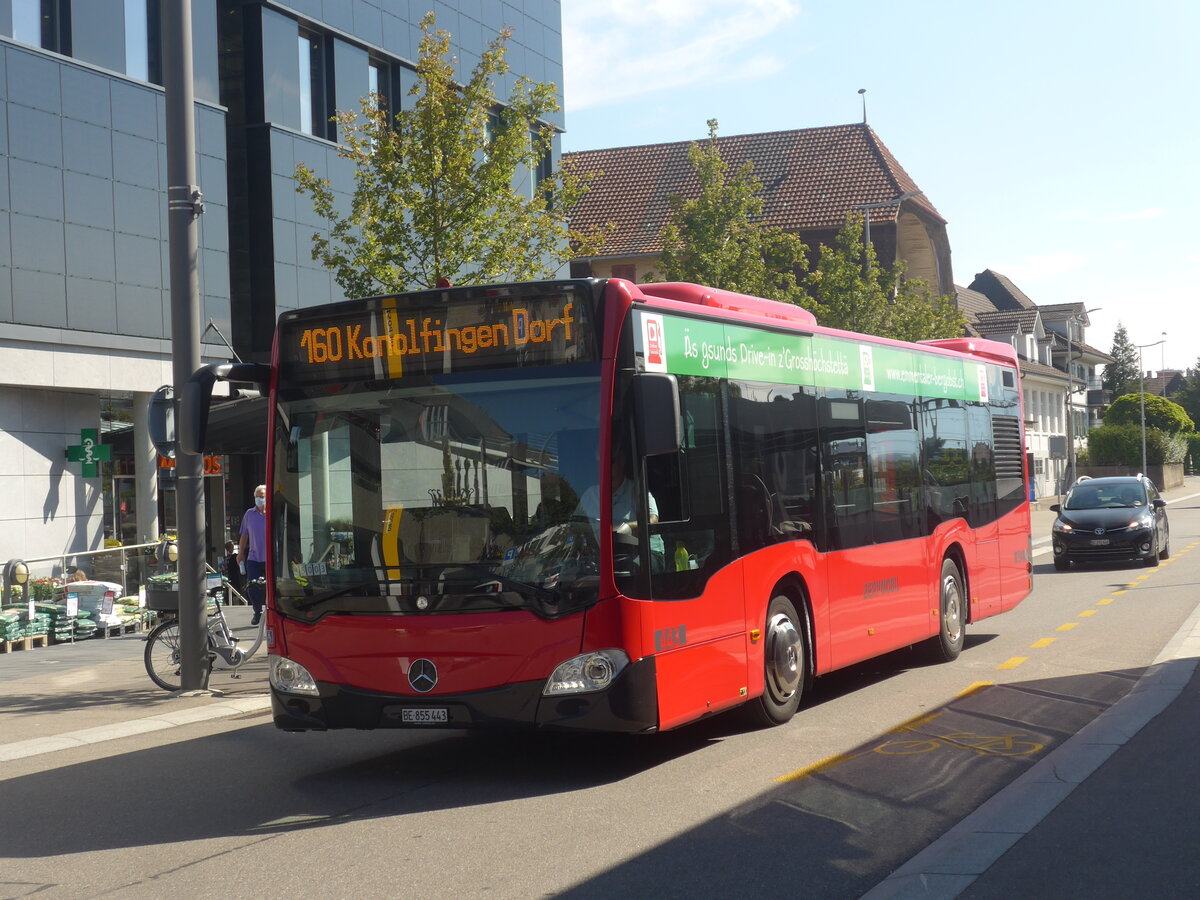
{"x": 983, "y": 744}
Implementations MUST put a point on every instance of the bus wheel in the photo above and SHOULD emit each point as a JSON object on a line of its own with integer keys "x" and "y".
{"x": 784, "y": 659}
{"x": 949, "y": 641}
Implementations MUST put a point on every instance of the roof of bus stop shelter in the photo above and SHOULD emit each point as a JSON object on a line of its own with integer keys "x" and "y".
{"x": 235, "y": 427}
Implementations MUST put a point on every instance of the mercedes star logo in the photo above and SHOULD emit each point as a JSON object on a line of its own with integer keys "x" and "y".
{"x": 422, "y": 676}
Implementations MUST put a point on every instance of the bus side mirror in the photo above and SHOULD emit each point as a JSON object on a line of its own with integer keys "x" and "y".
{"x": 192, "y": 421}
{"x": 657, "y": 398}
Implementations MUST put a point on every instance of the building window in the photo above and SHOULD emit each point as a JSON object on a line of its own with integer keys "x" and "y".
{"x": 314, "y": 104}
{"x": 626, "y": 271}
{"x": 43, "y": 23}
{"x": 137, "y": 40}
{"x": 379, "y": 83}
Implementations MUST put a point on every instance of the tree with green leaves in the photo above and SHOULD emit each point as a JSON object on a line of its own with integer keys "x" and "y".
{"x": 436, "y": 184}
{"x": 1161, "y": 413}
{"x": 718, "y": 239}
{"x": 1189, "y": 396}
{"x": 850, "y": 289}
{"x": 1121, "y": 375}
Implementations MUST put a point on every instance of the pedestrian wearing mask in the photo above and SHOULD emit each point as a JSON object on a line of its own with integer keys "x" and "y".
{"x": 252, "y": 550}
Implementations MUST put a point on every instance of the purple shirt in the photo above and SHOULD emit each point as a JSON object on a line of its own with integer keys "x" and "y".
{"x": 254, "y": 526}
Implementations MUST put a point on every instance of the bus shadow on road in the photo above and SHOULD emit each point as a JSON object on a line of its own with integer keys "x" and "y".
{"x": 839, "y": 826}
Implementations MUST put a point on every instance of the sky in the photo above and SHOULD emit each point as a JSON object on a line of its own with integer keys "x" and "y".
{"x": 1059, "y": 139}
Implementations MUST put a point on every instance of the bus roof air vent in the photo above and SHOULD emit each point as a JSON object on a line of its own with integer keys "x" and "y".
{"x": 720, "y": 299}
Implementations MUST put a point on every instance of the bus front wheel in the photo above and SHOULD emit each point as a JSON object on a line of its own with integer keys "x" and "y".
{"x": 952, "y": 615}
{"x": 784, "y": 661}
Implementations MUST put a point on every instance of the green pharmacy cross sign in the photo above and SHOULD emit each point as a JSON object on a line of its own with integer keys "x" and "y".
{"x": 89, "y": 451}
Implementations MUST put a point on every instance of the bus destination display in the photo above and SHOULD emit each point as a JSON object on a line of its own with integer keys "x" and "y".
{"x": 381, "y": 339}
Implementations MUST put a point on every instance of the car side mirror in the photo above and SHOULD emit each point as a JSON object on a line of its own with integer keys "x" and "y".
{"x": 1158, "y": 503}
{"x": 1054, "y": 507}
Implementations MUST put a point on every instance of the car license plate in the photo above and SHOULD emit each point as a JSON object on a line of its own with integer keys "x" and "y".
{"x": 1101, "y": 542}
{"x": 424, "y": 716}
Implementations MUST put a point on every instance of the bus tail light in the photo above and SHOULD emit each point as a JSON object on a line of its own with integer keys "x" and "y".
{"x": 588, "y": 672}
{"x": 290, "y": 677}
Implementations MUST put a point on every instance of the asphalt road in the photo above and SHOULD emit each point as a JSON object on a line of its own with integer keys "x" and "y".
{"x": 881, "y": 760}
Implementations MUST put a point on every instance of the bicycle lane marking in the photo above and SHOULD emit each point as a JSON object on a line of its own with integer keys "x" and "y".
{"x": 911, "y": 726}
{"x": 132, "y": 728}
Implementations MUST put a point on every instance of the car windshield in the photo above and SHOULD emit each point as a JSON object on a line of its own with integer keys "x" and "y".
{"x": 1106, "y": 496}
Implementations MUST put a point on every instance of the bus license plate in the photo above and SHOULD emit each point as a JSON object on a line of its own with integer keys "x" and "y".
{"x": 424, "y": 716}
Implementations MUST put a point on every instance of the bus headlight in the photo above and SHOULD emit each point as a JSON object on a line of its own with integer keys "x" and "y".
{"x": 589, "y": 672}
{"x": 290, "y": 677}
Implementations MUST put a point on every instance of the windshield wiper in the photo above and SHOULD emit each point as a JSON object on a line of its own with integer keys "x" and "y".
{"x": 520, "y": 587}
{"x": 332, "y": 595}
{"x": 540, "y": 593}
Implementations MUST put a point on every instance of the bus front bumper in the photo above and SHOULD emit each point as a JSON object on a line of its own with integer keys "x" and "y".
{"x": 629, "y": 705}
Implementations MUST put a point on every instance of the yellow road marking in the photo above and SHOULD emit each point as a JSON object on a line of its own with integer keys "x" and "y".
{"x": 1067, "y": 627}
{"x": 1088, "y": 612}
{"x": 974, "y": 689}
{"x": 1120, "y": 592}
{"x": 1044, "y": 642}
{"x": 1104, "y": 602}
{"x": 1012, "y": 663}
{"x": 816, "y": 768}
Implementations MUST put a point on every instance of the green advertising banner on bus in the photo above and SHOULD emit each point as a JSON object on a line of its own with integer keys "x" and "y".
{"x": 685, "y": 346}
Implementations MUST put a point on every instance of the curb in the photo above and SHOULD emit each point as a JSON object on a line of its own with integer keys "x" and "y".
{"x": 131, "y": 727}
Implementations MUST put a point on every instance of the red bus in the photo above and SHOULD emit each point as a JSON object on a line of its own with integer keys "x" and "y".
{"x": 780, "y": 500}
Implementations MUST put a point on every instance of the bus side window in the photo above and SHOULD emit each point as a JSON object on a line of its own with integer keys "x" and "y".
{"x": 694, "y": 523}
{"x": 847, "y": 494}
{"x": 775, "y": 447}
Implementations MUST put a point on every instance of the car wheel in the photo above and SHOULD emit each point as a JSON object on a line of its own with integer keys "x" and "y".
{"x": 1062, "y": 563}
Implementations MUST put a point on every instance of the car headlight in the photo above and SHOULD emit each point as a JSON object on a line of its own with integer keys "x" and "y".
{"x": 290, "y": 677}
{"x": 1061, "y": 526}
{"x": 588, "y": 672}
{"x": 1142, "y": 522}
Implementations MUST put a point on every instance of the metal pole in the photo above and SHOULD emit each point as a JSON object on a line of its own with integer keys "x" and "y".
{"x": 184, "y": 207}
{"x": 1070, "y": 410}
{"x": 1142, "y": 401}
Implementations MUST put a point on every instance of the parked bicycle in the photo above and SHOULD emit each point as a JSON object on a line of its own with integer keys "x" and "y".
{"x": 162, "y": 654}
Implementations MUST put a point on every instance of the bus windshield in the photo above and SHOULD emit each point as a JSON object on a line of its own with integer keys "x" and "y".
{"x": 455, "y": 493}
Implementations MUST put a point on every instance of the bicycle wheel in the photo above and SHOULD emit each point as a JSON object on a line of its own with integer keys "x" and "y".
{"x": 162, "y": 656}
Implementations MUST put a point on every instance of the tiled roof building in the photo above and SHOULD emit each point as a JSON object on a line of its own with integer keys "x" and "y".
{"x": 811, "y": 178}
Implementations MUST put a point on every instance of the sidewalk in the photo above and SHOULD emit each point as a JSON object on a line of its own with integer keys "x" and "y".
{"x": 1113, "y": 812}
{"x": 67, "y": 695}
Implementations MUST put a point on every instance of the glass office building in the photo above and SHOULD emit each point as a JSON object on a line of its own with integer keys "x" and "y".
{"x": 84, "y": 272}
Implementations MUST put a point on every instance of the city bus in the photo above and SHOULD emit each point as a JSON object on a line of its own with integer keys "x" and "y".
{"x": 599, "y": 505}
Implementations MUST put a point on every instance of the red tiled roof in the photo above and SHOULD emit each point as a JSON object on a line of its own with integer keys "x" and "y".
{"x": 811, "y": 178}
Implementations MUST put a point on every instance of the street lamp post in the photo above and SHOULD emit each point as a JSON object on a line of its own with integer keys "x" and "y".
{"x": 1142, "y": 394}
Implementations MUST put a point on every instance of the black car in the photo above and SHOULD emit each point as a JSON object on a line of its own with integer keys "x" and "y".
{"x": 1111, "y": 519}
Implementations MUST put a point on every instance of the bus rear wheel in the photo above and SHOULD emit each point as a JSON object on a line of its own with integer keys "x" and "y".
{"x": 784, "y": 664}
{"x": 952, "y": 615}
